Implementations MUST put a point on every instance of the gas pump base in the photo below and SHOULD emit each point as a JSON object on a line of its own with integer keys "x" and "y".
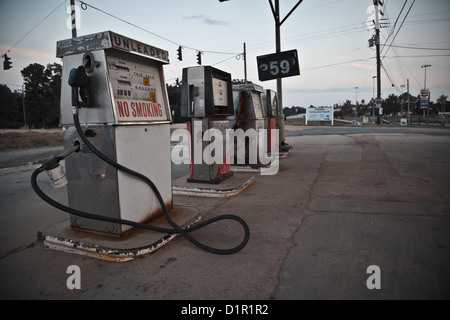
{"x": 227, "y": 188}
{"x": 257, "y": 169}
{"x": 218, "y": 179}
{"x": 134, "y": 244}
{"x": 284, "y": 154}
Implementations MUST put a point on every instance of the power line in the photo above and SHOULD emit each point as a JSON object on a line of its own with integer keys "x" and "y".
{"x": 389, "y": 77}
{"x": 154, "y": 34}
{"x": 398, "y": 30}
{"x": 338, "y": 63}
{"x": 395, "y": 23}
{"x": 35, "y": 27}
{"x": 419, "y": 56}
{"x": 418, "y": 48}
{"x": 391, "y": 45}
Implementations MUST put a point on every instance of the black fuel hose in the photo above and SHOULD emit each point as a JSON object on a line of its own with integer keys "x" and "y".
{"x": 176, "y": 228}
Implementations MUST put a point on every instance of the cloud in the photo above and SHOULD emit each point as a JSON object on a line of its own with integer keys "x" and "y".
{"x": 27, "y": 52}
{"x": 363, "y": 66}
{"x": 328, "y": 90}
{"x": 197, "y": 17}
{"x": 203, "y": 18}
{"x": 316, "y": 90}
{"x": 215, "y": 22}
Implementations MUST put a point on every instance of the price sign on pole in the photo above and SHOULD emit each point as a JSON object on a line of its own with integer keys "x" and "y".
{"x": 278, "y": 65}
{"x": 424, "y": 98}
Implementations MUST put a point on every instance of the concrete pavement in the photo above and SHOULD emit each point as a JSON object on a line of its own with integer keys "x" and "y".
{"x": 339, "y": 204}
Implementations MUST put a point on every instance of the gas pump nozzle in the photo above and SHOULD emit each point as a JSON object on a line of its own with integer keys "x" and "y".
{"x": 80, "y": 82}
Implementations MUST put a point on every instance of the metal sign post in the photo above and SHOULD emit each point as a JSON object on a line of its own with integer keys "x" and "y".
{"x": 278, "y": 23}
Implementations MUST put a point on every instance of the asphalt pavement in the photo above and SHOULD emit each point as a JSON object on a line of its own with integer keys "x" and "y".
{"x": 349, "y": 215}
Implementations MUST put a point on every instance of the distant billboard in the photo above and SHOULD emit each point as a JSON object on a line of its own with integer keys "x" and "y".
{"x": 319, "y": 114}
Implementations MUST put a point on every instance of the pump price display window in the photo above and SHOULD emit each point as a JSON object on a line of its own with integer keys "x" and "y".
{"x": 220, "y": 92}
{"x": 278, "y": 65}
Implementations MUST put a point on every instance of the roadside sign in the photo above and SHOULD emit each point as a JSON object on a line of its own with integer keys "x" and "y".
{"x": 424, "y": 98}
{"x": 319, "y": 114}
{"x": 278, "y": 65}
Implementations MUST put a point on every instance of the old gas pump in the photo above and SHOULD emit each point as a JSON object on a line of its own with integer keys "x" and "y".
{"x": 275, "y": 120}
{"x": 116, "y": 122}
{"x": 115, "y": 87}
{"x": 250, "y": 118}
{"x": 207, "y": 100}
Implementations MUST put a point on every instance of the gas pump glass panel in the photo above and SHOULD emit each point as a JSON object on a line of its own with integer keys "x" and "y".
{"x": 206, "y": 92}
{"x": 139, "y": 95}
{"x": 270, "y": 103}
{"x": 220, "y": 89}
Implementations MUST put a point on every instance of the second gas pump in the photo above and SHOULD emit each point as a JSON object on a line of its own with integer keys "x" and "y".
{"x": 207, "y": 100}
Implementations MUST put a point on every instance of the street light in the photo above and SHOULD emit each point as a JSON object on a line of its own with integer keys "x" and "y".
{"x": 425, "y": 66}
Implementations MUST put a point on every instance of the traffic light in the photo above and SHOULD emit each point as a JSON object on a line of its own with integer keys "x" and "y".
{"x": 7, "y": 64}
{"x": 199, "y": 58}
{"x": 180, "y": 55}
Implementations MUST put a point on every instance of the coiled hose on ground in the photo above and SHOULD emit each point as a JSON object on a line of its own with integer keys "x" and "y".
{"x": 176, "y": 228}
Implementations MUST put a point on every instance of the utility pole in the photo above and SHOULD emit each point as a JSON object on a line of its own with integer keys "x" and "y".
{"x": 23, "y": 107}
{"x": 401, "y": 102}
{"x": 373, "y": 96}
{"x": 407, "y": 90}
{"x": 377, "y": 44}
{"x": 425, "y": 87}
{"x": 72, "y": 16}
{"x": 278, "y": 23}
{"x": 245, "y": 64}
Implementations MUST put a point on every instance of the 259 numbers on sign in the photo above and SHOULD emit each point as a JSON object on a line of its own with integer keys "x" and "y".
{"x": 278, "y": 65}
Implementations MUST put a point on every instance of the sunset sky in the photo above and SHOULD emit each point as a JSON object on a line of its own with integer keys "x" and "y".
{"x": 331, "y": 37}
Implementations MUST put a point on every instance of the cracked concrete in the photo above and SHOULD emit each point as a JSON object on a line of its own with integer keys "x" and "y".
{"x": 368, "y": 209}
{"x": 338, "y": 204}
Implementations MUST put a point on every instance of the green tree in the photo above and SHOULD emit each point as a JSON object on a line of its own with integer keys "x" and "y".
{"x": 391, "y": 105}
{"x": 347, "y": 107}
{"x": 42, "y": 94}
{"x": 8, "y": 108}
{"x": 442, "y": 102}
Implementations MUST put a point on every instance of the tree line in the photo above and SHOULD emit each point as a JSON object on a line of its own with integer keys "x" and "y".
{"x": 36, "y": 106}
{"x": 391, "y": 105}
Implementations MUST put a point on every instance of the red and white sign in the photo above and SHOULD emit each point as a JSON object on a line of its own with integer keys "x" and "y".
{"x": 424, "y": 98}
{"x": 137, "y": 91}
{"x": 138, "y": 110}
